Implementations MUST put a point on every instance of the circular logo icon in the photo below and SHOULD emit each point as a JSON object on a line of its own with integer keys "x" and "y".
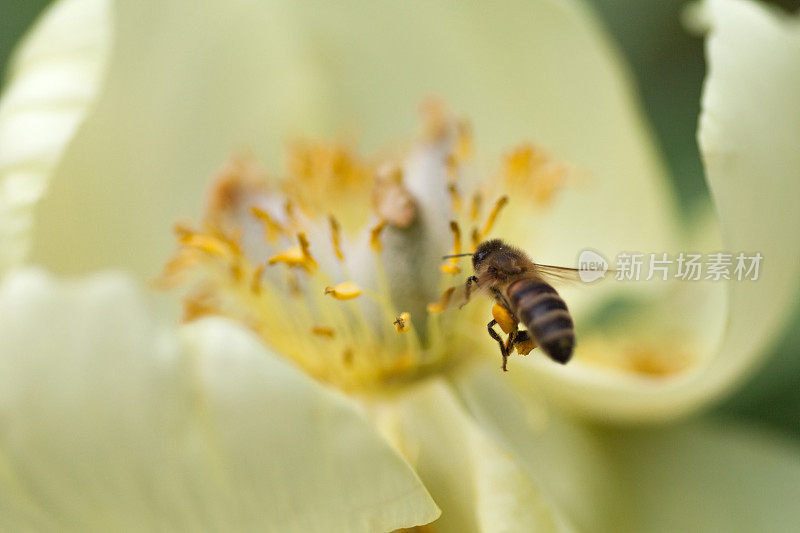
{"x": 591, "y": 266}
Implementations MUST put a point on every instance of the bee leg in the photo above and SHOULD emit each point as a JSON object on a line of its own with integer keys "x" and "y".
{"x": 511, "y": 341}
{"x": 495, "y": 336}
{"x": 468, "y": 289}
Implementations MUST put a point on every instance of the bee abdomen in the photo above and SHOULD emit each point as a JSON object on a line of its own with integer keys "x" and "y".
{"x": 545, "y": 315}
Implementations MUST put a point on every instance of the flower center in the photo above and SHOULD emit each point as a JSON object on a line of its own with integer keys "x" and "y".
{"x": 339, "y": 267}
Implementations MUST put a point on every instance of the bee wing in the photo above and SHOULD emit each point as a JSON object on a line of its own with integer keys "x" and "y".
{"x": 558, "y": 273}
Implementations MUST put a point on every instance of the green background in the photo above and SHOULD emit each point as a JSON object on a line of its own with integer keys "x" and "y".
{"x": 668, "y": 66}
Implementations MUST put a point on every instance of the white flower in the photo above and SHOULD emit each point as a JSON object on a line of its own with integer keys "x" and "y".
{"x": 111, "y": 420}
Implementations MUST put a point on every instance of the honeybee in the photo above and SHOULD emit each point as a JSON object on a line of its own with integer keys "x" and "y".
{"x": 520, "y": 288}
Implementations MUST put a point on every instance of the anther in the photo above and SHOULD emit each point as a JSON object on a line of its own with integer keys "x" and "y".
{"x": 336, "y": 237}
{"x": 374, "y": 236}
{"x": 501, "y": 202}
{"x": 402, "y": 323}
{"x": 464, "y": 143}
{"x": 344, "y": 291}
{"x": 294, "y": 284}
{"x": 255, "y": 283}
{"x": 475, "y": 206}
{"x": 393, "y": 202}
{"x": 182, "y": 230}
{"x": 436, "y": 119}
{"x": 289, "y": 209}
{"x": 208, "y": 244}
{"x": 298, "y": 256}
{"x": 451, "y": 265}
{"x": 455, "y": 197}
{"x": 451, "y": 164}
{"x": 272, "y": 228}
{"x": 474, "y": 238}
{"x": 323, "y": 331}
{"x": 236, "y": 270}
{"x": 443, "y": 303}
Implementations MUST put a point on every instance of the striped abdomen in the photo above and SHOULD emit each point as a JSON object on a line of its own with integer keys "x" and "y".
{"x": 539, "y": 307}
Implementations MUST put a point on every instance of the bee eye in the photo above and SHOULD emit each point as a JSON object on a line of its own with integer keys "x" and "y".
{"x": 480, "y": 256}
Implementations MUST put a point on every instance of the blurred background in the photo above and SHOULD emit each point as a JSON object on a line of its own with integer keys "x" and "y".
{"x": 668, "y": 66}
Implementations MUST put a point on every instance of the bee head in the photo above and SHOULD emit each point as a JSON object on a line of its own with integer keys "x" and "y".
{"x": 484, "y": 250}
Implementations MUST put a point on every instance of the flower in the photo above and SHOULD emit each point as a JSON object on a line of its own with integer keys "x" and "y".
{"x": 205, "y": 425}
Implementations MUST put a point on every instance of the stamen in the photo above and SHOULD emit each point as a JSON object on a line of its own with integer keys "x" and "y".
{"x": 250, "y": 224}
{"x": 304, "y": 246}
{"x": 240, "y": 178}
{"x": 436, "y": 119}
{"x": 501, "y": 202}
{"x": 451, "y": 265}
{"x": 255, "y": 284}
{"x": 455, "y": 197}
{"x": 336, "y": 230}
{"x": 292, "y": 257}
{"x": 504, "y": 319}
{"x": 451, "y": 164}
{"x": 237, "y": 273}
{"x": 392, "y": 201}
{"x": 464, "y": 144}
{"x": 291, "y": 214}
{"x": 208, "y": 244}
{"x": 442, "y": 304}
{"x": 530, "y": 170}
{"x": 298, "y": 256}
{"x": 390, "y": 173}
{"x": 475, "y": 206}
{"x": 344, "y": 291}
{"x": 294, "y": 284}
{"x": 323, "y": 331}
{"x": 272, "y": 228}
{"x": 198, "y": 305}
{"x": 347, "y": 356}
{"x": 402, "y": 323}
{"x": 182, "y": 230}
{"x": 474, "y": 237}
{"x": 374, "y": 236}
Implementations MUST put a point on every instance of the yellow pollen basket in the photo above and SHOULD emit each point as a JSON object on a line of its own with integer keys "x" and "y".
{"x": 504, "y": 319}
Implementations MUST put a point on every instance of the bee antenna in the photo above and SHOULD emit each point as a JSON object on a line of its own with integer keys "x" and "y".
{"x": 454, "y": 255}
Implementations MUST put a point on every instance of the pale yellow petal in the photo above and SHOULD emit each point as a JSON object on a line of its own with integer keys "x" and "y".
{"x": 749, "y": 133}
{"x": 562, "y": 455}
{"x": 300, "y": 456}
{"x": 479, "y": 485}
{"x": 110, "y": 422}
{"x": 54, "y": 78}
{"x": 223, "y": 75}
